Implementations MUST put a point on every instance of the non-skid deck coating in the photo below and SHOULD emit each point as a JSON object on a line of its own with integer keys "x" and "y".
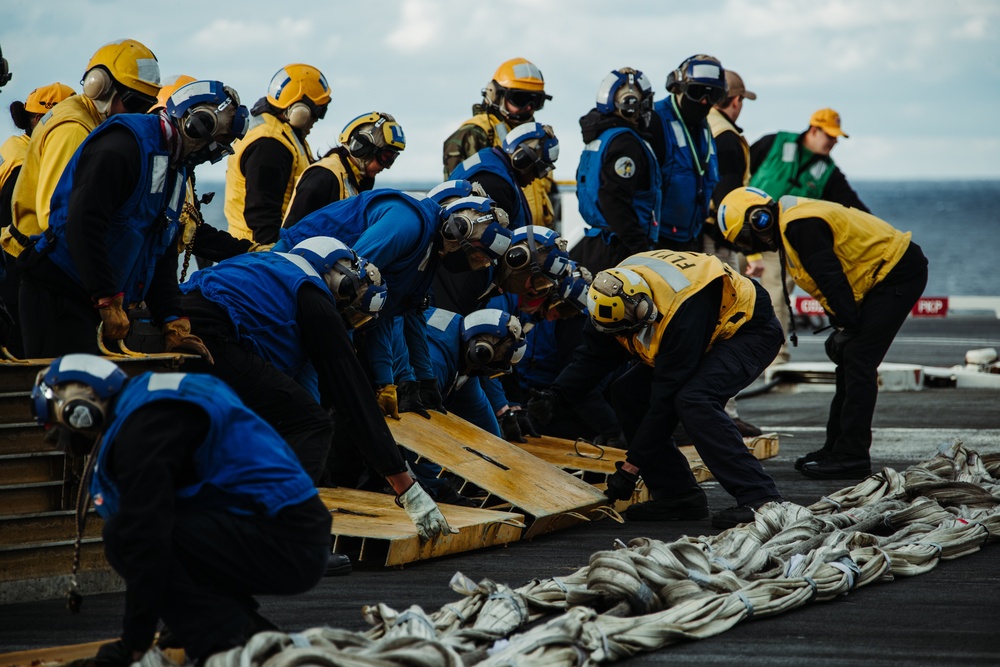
{"x": 945, "y": 617}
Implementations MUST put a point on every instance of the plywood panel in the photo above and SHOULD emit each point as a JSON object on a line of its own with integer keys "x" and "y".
{"x": 552, "y": 498}
{"x": 373, "y": 523}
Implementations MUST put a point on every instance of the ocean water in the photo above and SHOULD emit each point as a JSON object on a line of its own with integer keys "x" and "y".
{"x": 956, "y": 223}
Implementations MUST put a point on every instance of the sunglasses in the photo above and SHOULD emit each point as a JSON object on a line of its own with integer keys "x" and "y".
{"x": 701, "y": 91}
{"x": 524, "y": 98}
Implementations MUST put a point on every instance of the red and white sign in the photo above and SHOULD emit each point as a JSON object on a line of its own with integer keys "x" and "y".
{"x": 931, "y": 306}
{"x": 926, "y": 306}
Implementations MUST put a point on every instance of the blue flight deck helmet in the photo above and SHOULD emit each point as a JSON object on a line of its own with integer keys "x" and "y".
{"x": 535, "y": 262}
{"x": 454, "y": 189}
{"x": 87, "y": 411}
{"x": 355, "y": 283}
{"x": 569, "y": 299}
{"x": 700, "y": 77}
{"x": 208, "y": 111}
{"x": 532, "y": 146}
{"x": 626, "y": 93}
{"x": 493, "y": 341}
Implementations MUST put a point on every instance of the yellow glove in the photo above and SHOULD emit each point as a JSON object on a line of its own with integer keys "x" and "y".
{"x": 177, "y": 336}
{"x": 113, "y": 316}
{"x": 386, "y": 397}
{"x": 261, "y": 247}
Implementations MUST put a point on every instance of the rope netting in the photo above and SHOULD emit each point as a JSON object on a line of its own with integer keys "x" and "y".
{"x": 649, "y": 594}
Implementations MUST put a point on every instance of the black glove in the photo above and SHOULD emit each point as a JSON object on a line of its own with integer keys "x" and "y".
{"x": 524, "y": 422}
{"x": 510, "y": 428}
{"x": 617, "y": 440}
{"x": 430, "y": 395}
{"x": 621, "y": 485}
{"x": 835, "y": 344}
{"x": 543, "y": 405}
{"x": 408, "y": 399}
{"x": 6, "y": 324}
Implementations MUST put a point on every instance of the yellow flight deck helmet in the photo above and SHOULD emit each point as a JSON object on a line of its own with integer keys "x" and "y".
{"x": 519, "y": 82}
{"x": 374, "y": 135}
{"x": 301, "y": 91}
{"x": 127, "y": 67}
{"x": 619, "y": 300}
{"x": 741, "y": 206}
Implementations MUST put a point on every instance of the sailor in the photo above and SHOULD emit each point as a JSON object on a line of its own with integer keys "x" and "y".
{"x": 702, "y": 332}
{"x": 866, "y": 275}
{"x": 26, "y": 116}
{"x": 121, "y": 77}
{"x": 407, "y": 238}
{"x": 527, "y": 153}
{"x": 684, "y": 146}
{"x": 261, "y": 176}
{"x": 510, "y": 99}
{"x": 115, "y": 214}
{"x": 204, "y": 505}
{"x": 533, "y": 266}
{"x": 368, "y": 144}
{"x": 786, "y": 163}
{"x": 618, "y": 179}
{"x": 483, "y": 344}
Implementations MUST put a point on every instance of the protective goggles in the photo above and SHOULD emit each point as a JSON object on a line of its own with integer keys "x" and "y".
{"x": 135, "y": 102}
{"x": 385, "y": 157}
{"x": 526, "y": 98}
{"x": 483, "y": 232}
{"x": 526, "y": 157}
{"x": 701, "y": 91}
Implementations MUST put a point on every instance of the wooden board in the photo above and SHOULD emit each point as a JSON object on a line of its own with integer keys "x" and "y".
{"x": 600, "y": 461}
{"x": 63, "y": 655}
{"x": 372, "y": 527}
{"x": 552, "y": 498}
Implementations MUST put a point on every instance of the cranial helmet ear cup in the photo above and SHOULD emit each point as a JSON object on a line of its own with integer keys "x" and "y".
{"x": 644, "y": 308}
{"x": 200, "y": 124}
{"x": 361, "y": 146}
{"x": 82, "y": 415}
{"x": 299, "y": 115}
{"x": 760, "y": 219}
{"x": 97, "y": 84}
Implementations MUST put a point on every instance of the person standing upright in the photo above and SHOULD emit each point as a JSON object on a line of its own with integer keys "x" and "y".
{"x": 684, "y": 146}
{"x": 261, "y": 175}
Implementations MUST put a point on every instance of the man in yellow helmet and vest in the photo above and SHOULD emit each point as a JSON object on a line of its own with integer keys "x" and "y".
{"x": 121, "y": 77}
{"x": 702, "y": 333}
{"x": 369, "y": 144}
{"x": 511, "y": 98}
{"x": 865, "y": 273}
{"x": 786, "y": 163}
{"x": 261, "y": 175}
{"x": 26, "y": 116}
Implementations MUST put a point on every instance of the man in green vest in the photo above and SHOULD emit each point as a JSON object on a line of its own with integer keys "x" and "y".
{"x": 787, "y": 163}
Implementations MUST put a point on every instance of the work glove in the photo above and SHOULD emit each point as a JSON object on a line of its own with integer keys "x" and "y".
{"x": 617, "y": 440}
{"x": 524, "y": 422}
{"x": 386, "y": 397}
{"x": 621, "y": 484}
{"x": 509, "y": 427}
{"x": 408, "y": 395}
{"x": 430, "y": 395}
{"x": 177, "y": 336}
{"x": 261, "y": 247}
{"x": 542, "y": 405}
{"x": 835, "y": 344}
{"x": 424, "y": 513}
{"x": 113, "y": 316}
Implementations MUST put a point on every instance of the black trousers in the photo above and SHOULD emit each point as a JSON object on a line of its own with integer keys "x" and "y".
{"x": 727, "y": 368}
{"x": 219, "y": 562}
{"x": 883, "y": 311}
{"x": 54, "y": 322}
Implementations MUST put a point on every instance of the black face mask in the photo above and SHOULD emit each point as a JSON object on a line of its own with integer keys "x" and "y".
{"x": 693, "y": 112}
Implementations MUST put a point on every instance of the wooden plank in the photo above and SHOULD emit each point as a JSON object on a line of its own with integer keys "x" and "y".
{"x": 50, "y": 560}
{"x": 17, "y": 531}
{"x": 20, "y": 375}
{"x": 28, "y": 498}
{"x": 23, "y": 438}
{"x": 44, "y": 657}
{"x": 552, "y": 498}
{"x": 31, "y": 467}
{"x": 373, "y": 523}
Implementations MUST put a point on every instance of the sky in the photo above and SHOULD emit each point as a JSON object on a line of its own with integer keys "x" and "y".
{"x": 916, "y": 82}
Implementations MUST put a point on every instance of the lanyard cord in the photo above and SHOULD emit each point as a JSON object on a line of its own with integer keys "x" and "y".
{"x": 694, "y": 148}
